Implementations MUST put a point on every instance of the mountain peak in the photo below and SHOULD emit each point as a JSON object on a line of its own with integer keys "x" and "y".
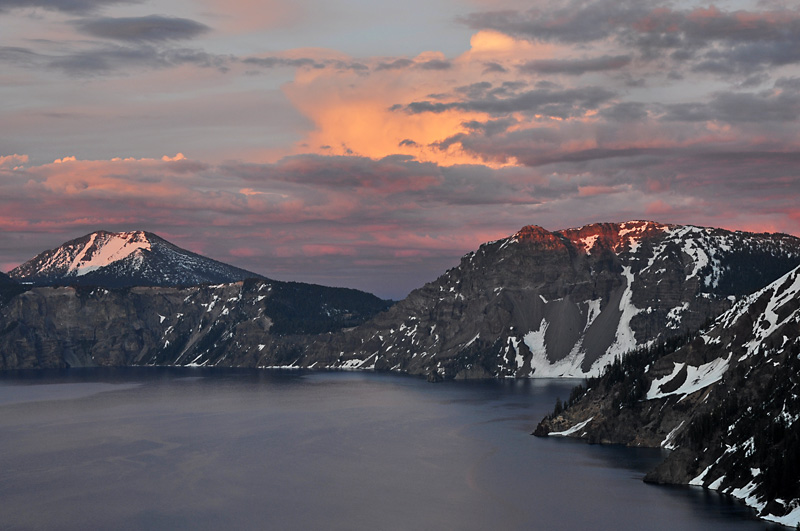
{"x": 535, "y": 233}
{"x": 115, "y": 259}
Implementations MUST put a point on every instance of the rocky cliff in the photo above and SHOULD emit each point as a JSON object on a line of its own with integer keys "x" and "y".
{"x": 251, "y": 323}
{"x": 562, "y": 303}
{"x": 727, "y": 403}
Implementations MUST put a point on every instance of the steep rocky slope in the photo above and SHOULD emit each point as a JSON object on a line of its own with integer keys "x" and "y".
{"x": 562, "y": 303}
{"x": 123, "y": 259}
{"x": 727, "y": 403}
{"x": 250, "y": 323}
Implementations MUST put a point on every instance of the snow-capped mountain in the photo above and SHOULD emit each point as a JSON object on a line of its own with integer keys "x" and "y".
{"x": 565, "y": 303}
{"x": 727, "y": 403}
{"x": 120, "y": 259}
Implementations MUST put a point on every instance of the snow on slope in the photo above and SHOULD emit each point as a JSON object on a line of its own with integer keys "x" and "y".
{"x": 777, "y": 312}
{"x": 111, "y": 248}
{"x": 695, "y": 379}
{"x": 125, "y": 259}
{"x": 758, "y": 336}
{"x": 776, "y": 298}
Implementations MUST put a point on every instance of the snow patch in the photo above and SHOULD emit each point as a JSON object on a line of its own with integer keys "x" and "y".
{"x": 541, "y": 366}
{"x": 535, "y": 338}
{"x": 473, "y": 340}
{"x": 625, "y": 341}
{"x": 675, "y": 316}
{"x": 697, "y": 378}
{"x": 668, "y": 441}
{"x": 588, "y": 243}
{"x": 576, "y": 428}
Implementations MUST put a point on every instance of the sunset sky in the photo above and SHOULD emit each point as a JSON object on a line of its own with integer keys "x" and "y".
{"x": 370, "y": 144}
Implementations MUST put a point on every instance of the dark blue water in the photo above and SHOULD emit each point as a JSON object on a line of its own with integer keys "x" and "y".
{"x": 225, "y": 449}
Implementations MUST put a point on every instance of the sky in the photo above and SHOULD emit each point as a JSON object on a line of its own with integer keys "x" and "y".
{"x": 371, "y": 144}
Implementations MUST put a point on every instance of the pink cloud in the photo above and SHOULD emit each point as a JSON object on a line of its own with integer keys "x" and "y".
{"x": 327, "y": 250}
{"x": 385, "y": 225}
{"x": 244, "y": 252}
{"x": 658, "y": 208}
{"x": 13, "y": 162}
{"x": 588, "y": 191}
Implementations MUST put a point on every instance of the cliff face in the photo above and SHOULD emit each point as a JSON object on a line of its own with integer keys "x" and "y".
{"x": 727, "y": 403}
{"x": 250, "y": 323}
{"x": 563, "y": 303}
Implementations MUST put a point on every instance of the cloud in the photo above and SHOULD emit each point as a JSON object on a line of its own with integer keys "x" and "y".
{"x": 560, "y": 103}
{"x": 152, "y": 28}
{"x": 576, "y": 67}
{"x": 435, "y": 64}
{"x": 396, "y": 64}
{"x": 274, "y": 62}
{"x": 18, "y": 55}
{"x": 357, "y": 221}
{"x": 353, "y": 212}
{"x": 13, "y": 162}
{"x": 704, "y": 39}
{"x": 66, "y": 6}
{"x": 628, "y": 111}
{"x": 493, "y": 67}
{"x": 569, "y": 22}
{"x": 736, "y": 107}
{"x": 108, "y": 59}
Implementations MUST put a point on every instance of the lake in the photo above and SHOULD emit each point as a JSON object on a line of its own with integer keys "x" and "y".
{"x": 168, "y": 448}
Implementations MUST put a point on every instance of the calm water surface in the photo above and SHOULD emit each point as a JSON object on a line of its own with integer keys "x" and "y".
{"x": 245, "y": 449}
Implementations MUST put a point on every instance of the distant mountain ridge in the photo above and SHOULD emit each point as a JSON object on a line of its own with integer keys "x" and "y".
{"x": 124, "y": 259}
{"x": 535, "y": 304}
{"x": 563, "y": 303}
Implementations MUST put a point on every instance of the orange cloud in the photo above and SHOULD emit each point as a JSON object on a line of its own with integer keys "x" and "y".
{"x": 352, "y": 111}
